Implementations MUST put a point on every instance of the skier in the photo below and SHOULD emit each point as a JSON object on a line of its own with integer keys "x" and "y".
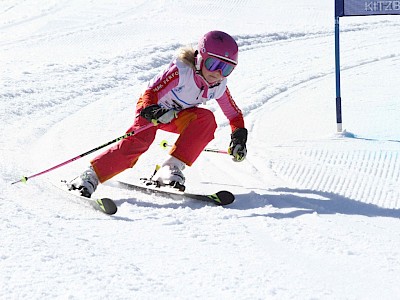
{"x": 171, "y": 102}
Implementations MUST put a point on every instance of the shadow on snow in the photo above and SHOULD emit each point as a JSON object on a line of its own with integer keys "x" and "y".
{"x": 308, "y": 202}
{"x": 297, "y": 202}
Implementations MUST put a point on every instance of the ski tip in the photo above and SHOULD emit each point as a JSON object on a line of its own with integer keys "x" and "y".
{"x": 224, "y": 198}
{"x": 107, "y": 205}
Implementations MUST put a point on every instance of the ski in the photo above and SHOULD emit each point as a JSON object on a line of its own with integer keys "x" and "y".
{"x": 105, "y": 205}
{"x": 220, "y": 198}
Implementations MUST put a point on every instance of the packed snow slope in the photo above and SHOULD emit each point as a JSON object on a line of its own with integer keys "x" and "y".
{"x": 316, "y": 214}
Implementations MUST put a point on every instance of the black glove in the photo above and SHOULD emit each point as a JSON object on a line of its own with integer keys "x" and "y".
{"x": 156, "y": 114}
{"x": 237, "y": 147}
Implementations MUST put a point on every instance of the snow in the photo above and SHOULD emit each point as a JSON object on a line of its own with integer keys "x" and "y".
{"x": 316, "y": 214}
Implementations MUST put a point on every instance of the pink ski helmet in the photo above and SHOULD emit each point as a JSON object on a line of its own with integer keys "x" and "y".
{"x": 218, "y": 51}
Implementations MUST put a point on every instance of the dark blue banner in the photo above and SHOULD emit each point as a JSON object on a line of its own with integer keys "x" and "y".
{"x": 366, "y": 7}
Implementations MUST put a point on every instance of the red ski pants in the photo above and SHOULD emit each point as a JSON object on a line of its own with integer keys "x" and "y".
{"x": 195, "y": 126}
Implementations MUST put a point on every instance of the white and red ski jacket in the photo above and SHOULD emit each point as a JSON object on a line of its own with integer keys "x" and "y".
{"x": 179, "y": 87}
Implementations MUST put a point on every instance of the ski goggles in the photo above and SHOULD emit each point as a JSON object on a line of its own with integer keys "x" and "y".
{"x": 212, "y": 64}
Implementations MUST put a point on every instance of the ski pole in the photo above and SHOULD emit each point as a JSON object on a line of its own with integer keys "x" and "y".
{"x": 164, "y": 144}
{"x": 25, "y": 178}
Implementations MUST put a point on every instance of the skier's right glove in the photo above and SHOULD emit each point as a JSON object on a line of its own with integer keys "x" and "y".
{"x": 156, "y": 114}
{"x": 237, "y": 147}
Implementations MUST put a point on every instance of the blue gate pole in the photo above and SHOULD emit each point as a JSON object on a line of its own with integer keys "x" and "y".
{"x": 337, "y": 69}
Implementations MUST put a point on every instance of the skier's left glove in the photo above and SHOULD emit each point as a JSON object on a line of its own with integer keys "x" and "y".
{"x": 237, "y": 147}
{"x": 156, "y": 114}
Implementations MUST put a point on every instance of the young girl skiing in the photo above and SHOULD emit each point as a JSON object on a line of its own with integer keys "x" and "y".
{"x": 171, "y": 102}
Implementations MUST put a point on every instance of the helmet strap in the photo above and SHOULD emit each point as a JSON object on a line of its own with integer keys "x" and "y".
{"x": 197, "y": 61}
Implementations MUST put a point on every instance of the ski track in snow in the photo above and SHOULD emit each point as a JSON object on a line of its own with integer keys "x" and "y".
{"x": 361, "y": 174}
